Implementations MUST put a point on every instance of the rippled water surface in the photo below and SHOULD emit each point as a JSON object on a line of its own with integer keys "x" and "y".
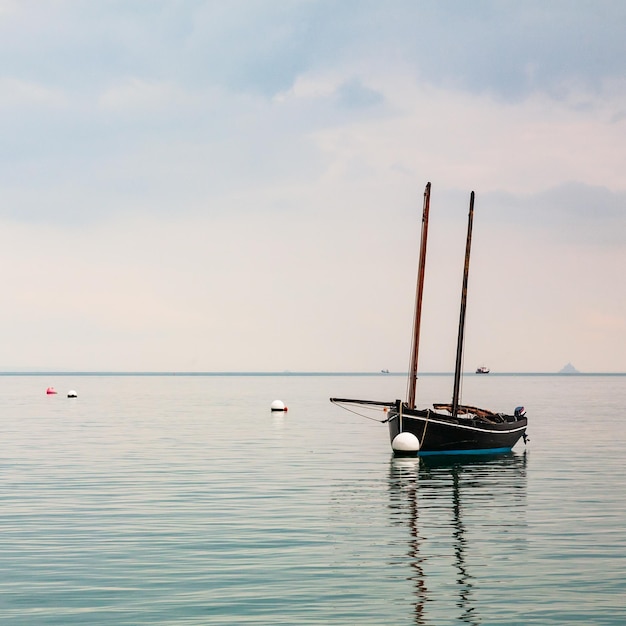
{"x": 184, "y": 500}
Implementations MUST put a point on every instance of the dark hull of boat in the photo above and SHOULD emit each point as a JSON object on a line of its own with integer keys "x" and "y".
{"x": 439, "y": 433}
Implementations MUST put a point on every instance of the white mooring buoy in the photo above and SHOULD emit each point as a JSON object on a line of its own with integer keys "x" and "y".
{"x": 405, "y": 444}
{"x": 72, "y": 394}
{"x": 278, "y": 405}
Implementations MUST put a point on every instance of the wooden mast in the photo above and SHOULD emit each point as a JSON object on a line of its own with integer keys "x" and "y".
{"x": 459, "y": 345}
{"x": 418, "y": 301}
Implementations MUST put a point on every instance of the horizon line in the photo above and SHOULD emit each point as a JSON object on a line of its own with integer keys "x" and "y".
{"x": 52, "y": 372}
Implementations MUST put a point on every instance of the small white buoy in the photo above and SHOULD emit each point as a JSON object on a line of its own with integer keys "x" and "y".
{"x": 72, "y": 394}
{"x": 278, "y": 405}
{"x": 405, "y": 444}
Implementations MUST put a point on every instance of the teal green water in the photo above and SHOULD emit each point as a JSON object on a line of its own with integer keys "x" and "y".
{"x": 184, "y": 500}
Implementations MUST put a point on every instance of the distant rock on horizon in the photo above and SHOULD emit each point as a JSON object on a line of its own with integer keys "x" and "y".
{"x": 569, "y": 369}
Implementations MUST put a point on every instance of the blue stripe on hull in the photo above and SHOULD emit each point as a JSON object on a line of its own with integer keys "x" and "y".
{"x": 461, "y": 452}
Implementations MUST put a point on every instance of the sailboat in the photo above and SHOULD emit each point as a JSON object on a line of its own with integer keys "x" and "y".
{"x": 451, "y": 427}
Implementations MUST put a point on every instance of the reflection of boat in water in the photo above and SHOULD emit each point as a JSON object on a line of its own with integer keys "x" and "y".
{"x": 459, "y": 511}
{"x": 452, "y": 428}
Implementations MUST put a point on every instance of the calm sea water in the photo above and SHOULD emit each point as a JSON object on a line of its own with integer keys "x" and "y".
{"x": 184, "y": 500}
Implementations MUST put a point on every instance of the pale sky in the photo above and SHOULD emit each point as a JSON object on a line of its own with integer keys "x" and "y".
{"x": 237, "y": 186}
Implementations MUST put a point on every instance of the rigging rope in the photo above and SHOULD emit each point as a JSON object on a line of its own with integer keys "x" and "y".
{"x": 367, "y": 417}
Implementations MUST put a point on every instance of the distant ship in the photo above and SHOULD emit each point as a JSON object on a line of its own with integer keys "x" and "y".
{"x": 482, "y": 370}
{"x": 384, "y": 371}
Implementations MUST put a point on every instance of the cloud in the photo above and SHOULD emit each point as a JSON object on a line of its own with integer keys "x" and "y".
{"x": 237, "y": 185}
{"x": 354, "y": 95}
{"x": 507, "y": 50}
{"x": 572, "y": 213}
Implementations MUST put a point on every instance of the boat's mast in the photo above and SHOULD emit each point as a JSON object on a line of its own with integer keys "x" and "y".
{"x": 459, "y": 345}
{"x": 418, "y": 301}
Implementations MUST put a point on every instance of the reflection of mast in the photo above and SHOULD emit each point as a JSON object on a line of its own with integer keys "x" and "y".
{"x": 416, "y": 561}
{"x": 464, "y": 577}
{"x": 404, "y": 488}
{"x": 439, "y": 482}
